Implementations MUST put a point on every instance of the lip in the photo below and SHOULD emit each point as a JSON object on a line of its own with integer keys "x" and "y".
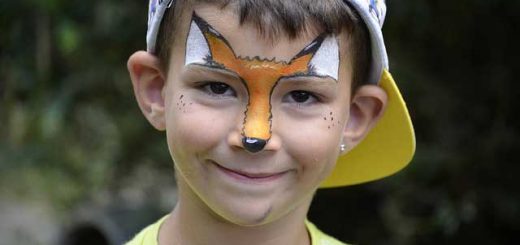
{"x": 249, "y": 176}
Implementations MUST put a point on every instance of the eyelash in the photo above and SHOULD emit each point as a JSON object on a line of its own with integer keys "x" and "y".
{"x": 289, "y": 97}
{"x": 208, "y": 88}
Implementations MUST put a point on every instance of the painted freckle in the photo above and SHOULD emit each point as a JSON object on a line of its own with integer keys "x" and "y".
{"x": 181, "y": 104}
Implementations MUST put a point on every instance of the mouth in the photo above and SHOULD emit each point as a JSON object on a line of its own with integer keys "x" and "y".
{"x": 250, "y": 176}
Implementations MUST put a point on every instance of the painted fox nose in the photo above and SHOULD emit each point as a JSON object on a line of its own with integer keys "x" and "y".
{"x": 253, "y": 144}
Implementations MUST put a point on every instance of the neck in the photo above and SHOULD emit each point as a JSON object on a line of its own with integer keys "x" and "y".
{"x": 192, "y": 222}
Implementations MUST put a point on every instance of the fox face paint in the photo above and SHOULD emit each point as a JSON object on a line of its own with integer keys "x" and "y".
{"x": 207, "y": 47}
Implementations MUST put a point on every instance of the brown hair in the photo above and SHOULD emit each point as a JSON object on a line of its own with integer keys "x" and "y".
{"x": 273, "y": 17}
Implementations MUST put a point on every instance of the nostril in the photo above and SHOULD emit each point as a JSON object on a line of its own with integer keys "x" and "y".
{"x": 253, "y": 144}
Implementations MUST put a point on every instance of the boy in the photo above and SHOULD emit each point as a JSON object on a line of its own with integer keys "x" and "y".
{"x": 262, "y": 103}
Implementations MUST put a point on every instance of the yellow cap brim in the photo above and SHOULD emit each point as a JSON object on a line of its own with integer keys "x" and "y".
{"x": 387, "y": 148}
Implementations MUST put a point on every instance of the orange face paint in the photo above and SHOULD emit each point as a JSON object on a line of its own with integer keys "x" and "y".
{"x": 260, "y": 76}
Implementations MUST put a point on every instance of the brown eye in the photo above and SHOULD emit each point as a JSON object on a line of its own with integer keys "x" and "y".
{"x": 218, "y": 88}
{"x": 300, "y": 96}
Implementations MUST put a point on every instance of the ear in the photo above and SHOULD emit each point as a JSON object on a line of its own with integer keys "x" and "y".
{"x": 367, "y": 106}
{"x": 326, "y": 59}
{"x": 301, "y": 62}
{"x": 148, "y": 81}
{"x": 204, "y": 40}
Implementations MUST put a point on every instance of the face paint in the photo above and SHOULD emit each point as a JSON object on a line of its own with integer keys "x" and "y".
{"x": 207, "y": 47}
{"x": 326, "y": 59}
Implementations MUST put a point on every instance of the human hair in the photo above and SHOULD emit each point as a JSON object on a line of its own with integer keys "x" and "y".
{"x": 292, "y": 17}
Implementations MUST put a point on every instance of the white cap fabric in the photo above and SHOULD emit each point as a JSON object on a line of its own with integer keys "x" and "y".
{"x": 156, "y": 9}
{"x": 373, "y": 13}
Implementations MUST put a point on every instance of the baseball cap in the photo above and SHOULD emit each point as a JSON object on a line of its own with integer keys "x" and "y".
{"x": 390, "y": 145}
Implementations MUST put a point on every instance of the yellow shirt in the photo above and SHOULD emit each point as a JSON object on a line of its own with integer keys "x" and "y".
{"x": 148, "y": 236}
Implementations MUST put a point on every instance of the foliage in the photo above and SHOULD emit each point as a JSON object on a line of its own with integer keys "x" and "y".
{"x": 455, "y": 63}
{"x": 70, "y": 126}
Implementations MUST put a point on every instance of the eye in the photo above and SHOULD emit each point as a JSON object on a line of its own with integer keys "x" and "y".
{"x": 301, "y": 97}
{"x": 218, "y": 89}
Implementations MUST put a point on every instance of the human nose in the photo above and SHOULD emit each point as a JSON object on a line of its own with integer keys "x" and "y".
{"x": 253, "y": 144}
{"x": 237, "y": 140}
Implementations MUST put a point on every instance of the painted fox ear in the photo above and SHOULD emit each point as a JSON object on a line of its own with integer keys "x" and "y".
{"x": 326, "y": 60}
{"x": 324, "y": 51}
{"x": 197, "y": 49}
{"x": 204, "y": 44}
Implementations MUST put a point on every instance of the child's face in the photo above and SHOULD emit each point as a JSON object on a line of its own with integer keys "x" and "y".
{"x": 209, "y": 109}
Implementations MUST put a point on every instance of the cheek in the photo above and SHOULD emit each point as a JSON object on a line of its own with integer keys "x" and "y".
{"x": 313, "y": 143}
{"x": 192, "y": 128}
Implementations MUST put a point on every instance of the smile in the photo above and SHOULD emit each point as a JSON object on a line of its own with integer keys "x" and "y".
{"x": 249, "y": 176}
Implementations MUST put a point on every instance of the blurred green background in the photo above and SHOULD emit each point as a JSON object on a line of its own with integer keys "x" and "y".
{"x": 78, "y": 161}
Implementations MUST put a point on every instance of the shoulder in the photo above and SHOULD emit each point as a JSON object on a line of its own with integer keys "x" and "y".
{"x": 320, "y": 238}
{"x": 147, "y": 236}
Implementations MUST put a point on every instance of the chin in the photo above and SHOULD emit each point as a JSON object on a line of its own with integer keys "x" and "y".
{"x": 245, "y": 213}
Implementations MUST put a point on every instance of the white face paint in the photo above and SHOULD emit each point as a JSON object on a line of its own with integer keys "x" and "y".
{"x": 326, "y": 60}
{"x": 197, "y": 48}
